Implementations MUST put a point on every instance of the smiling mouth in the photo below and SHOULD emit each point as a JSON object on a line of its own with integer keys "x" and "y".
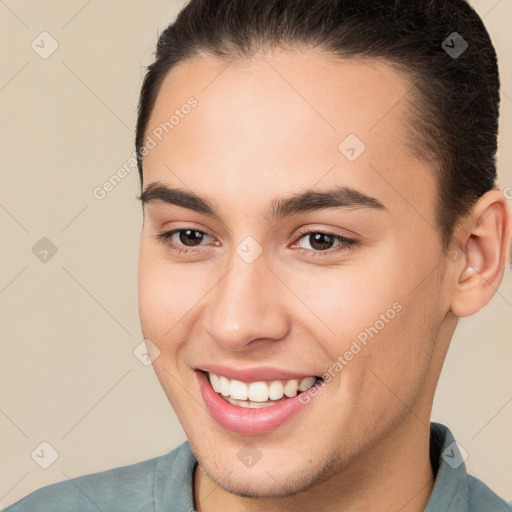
{"x": 258, "y": 394}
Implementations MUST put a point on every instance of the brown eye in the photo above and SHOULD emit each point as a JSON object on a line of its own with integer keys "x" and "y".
{"x": 186, "y": 240}
{"x": 322, "y": 241}
{"x": 190, "y": 237}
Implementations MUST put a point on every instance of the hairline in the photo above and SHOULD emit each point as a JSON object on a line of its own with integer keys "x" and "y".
{"x": 415, "y": 144}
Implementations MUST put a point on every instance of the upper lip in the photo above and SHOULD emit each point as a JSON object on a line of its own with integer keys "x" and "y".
{"x": 255, "y": 374}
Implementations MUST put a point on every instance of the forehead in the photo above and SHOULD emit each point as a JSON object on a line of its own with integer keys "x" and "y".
{"x": 281, "y": 121}
{"x": 330, "y": 94}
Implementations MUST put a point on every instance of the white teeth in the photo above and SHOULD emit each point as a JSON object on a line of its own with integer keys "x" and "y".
{"x": 260, "y": 392}
{"x": 290, "y": 388}
{"x": 238, "y": 390}
{"x": 224, "y": 385}
{"x": 215, "y": 382}
{"x": 275, "y": 390}
{"x": 306, "y": 383}
{"x": 250, "y": 405}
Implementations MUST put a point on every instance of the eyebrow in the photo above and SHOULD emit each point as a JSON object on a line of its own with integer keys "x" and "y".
{"x": 302, "y": 202}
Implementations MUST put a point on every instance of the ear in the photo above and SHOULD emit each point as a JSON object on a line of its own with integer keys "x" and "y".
{"x": 485, "y": 241}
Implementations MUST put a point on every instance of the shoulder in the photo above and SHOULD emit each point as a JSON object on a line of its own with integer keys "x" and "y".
{"x": 130, "y": 487}
{"x": 482, "y": 498}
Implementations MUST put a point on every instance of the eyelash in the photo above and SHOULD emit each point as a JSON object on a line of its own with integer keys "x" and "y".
{"x": 346, "y": 243}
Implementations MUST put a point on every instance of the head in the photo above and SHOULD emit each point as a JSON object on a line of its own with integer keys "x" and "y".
{"x": 314, "y": 206}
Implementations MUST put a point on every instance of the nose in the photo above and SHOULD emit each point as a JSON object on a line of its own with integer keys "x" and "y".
{"x": 247, "y": 308}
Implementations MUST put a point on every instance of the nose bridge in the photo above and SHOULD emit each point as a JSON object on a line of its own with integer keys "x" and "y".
{"x": 245, "y": 306}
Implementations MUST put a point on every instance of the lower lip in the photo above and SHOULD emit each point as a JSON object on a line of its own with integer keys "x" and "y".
{"x": 244, "y": 420}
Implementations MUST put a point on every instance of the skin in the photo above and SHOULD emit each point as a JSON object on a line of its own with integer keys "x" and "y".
{"x": 265, "y": 129}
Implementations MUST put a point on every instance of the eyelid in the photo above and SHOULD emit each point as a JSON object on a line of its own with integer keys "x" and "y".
{"x": 328, "y": 231}
{"x": 166, "y": 236}
{"x": 347, "y": 242}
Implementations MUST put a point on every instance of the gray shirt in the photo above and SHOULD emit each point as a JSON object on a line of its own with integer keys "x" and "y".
{"x": 165, "y": 484}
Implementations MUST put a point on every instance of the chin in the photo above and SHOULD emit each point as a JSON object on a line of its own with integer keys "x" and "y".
{"x": 277, "y": 479}
{"x": 262, "y": 484}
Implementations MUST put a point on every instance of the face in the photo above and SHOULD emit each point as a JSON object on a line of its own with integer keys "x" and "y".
{"x": 273, "y": 279}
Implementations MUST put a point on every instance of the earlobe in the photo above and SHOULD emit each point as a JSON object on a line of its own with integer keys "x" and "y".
{"x": 486, "y": 238}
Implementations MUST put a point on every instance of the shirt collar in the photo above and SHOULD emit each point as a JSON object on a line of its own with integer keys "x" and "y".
{"x": 450, "y": 490}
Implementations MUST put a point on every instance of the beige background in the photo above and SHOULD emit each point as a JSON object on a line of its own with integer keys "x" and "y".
{"x": 68, "y": 375}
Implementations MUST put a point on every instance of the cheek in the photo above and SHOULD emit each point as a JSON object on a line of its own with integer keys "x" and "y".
{"x": 368, "y": 321}
{"x": 164, "y": 288}
{"x": 160, "y": 294}
{"x": 345, "y": 302}
{"x": 392, "y": 367}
